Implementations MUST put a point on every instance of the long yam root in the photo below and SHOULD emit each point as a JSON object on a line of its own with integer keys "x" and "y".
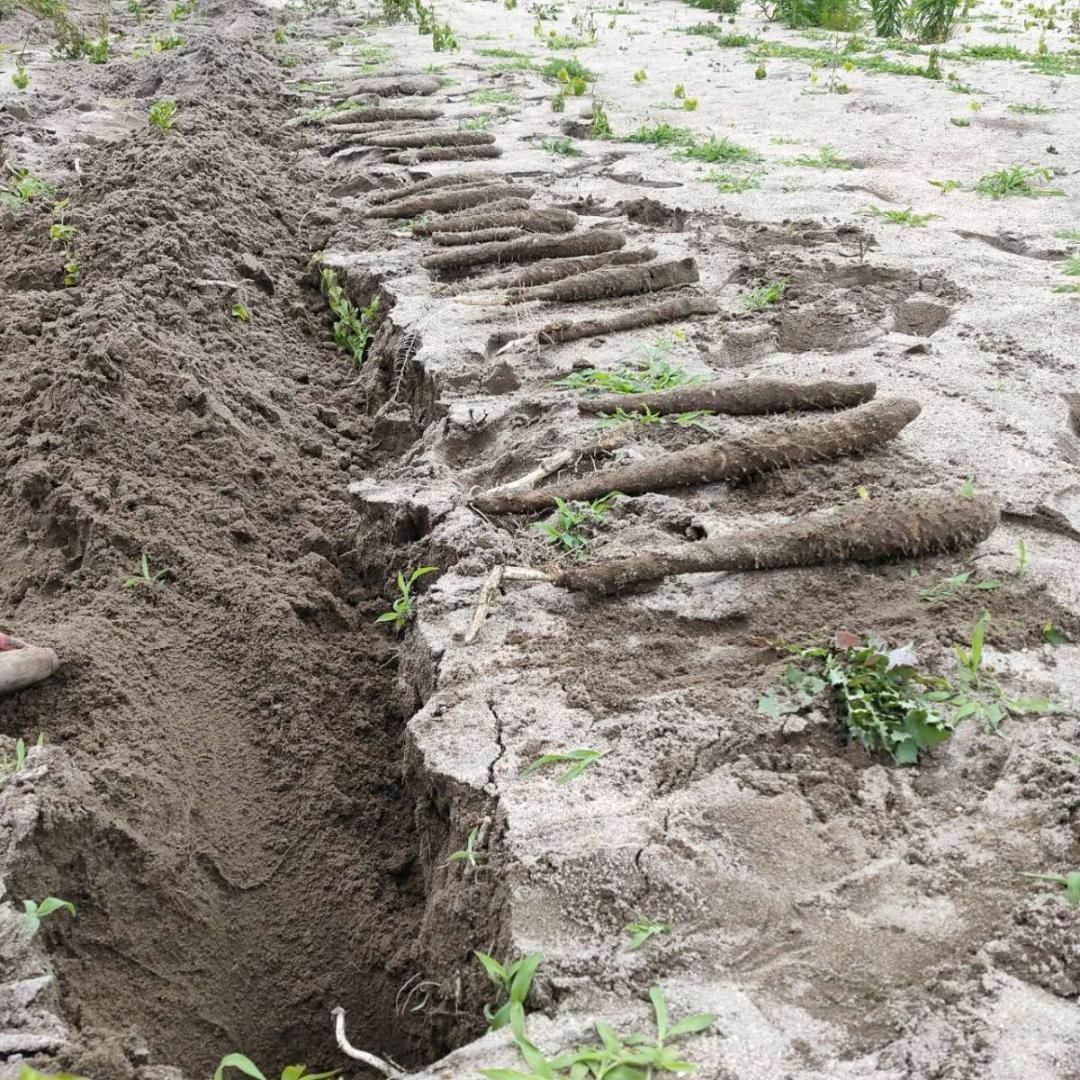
{"x": 407, "y": 139}
{"x": 612, "y": 281}
{"x": 432, "y": 183}
{"x": 663, "y": 311}
{"x": 902, "y": 526}
{"x": 444, "y": 153}
{"x": 546, "y": 221}
{"x": 539, "y": 246}
{"x": 454, "y": 198}
{"x": 540, "y": 273}
{"x": 751, "y": 397}
{"x": 375, "y": 112}
{"x": 708, "y": 463}
{"x": 491, "y": 217}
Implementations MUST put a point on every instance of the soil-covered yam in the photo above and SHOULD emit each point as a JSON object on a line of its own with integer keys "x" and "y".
{"x": 540, "y": 246}
{"x": 454, "y": 198}
{"x": 612, "y": 281}
{"x": 663, "y": 311}
{"x": 445, "y": 153}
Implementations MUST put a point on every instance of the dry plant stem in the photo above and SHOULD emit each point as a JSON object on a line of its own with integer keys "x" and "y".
{"x": 432, "y": 183}
{"x": 846, "y": 433}
{"x": 612, "y": 281}
{"x": 902, "y": 526}
{"x": 664, "y": 311}
{"x": 444, "y": 153}
{"x": 23, "y": 666}
{"x": 370, "y": 115}
{"x": 549, "y": 221}
{"x": 539, "y": 246}
{"x": 546, "y": 270}
{"x": 370, "y": 1060}
{"x": 489, "y": 591}
{"x": 606, "y": 441}
{"x": 455, "y": 198}
{"x": 751, "y": 397}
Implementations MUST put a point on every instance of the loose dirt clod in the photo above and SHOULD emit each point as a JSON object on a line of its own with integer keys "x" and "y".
{"x": 455, "y": 198}
{"x": 848, "y": 433}
{"x": 549, "y": 221}
{"x": 681, "y": 307}
{"x": 375, "y": 113}
{"x": 610, "y": 282}
{"x": 445, "y": 153}
{"x": 903, "y": 526}
{"x": 752, "y": 397}
{"x": 541, "y": 246}
{"x": 407, "y": 139}
{"x": 546, "y": 270}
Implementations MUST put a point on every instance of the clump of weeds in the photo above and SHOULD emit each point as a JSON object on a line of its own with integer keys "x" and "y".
{"x": 647, "y": 418}
{"x": 1031, "y": 181}
{"x": 662, "y": 134}
{"x": 715, "y": 150}
{"x": 764, "y": 295}
{"x": 825, "y": 158}
{"x": 352, "y": 325}
{"x": 578, "y": 760}
{"x": 573, "y": 525}
{"x": 907, "y": 218}
{"x": 562, "y": 145}
{"x": 163, "y": 115}
{"x": 401, "y": 611}
{"x": 730, "y": 184}
{"x": 22, "y": 189}
{"x": 512, "y": 981}
{"x": 655, "y": 373}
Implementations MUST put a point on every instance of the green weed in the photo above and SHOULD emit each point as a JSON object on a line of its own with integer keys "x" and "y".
{"x": 245, "y": 1065}
{"x": 724, "y": 40}
{"x": 573, "y": 526}
{"x": 722, "y": 7}
{"x": 1025, "y": 180}
{"x": 729, "y": 184}
{"x": 945, "y": 186}
{"x": 1069, "y": 882}
{"x": 72, "y": 273}
{"x": 763, "y": 295}
{"x": 28, "y": 1073}
{"x": 601, "y": 123}
{"x": 164, "y": 44}
{"x": 1022, "y": 107}
{"x": 512, "y": 982}
{"x": 163, "y": 115}
{"x": 655, "y": 374}
{"x": 640, "y": 76}
{"x": 468, "y": 854}
{"x": 1052, "y": 635}
{"x": 906, "y": 217}
{"x": 34, "y": 912}
{"x": 23, "y": 189}
{"x": 574, "y": 69}
{"x": 19, "y": 78}
{"x": 562, "y": 145}
{"x": 241, "y": 312}
{"x": 952, "y": 585}
{"x": 1071, "y": 266}
{"x": 504, "y": 54}
{"x": 826, "y": 158}
{"x": 492, "y": 97}
{"x": 715, "y": 150}
{"x": 662, "y": 135}
{"x": 579, "y": 761}
{"x": 352, "y": 325}
{"x": 144, "y": 577}
{"x": 401, "y": 611}
{"x": 642, "y": 930}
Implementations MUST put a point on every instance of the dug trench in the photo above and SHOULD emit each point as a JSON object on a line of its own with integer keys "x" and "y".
{"x": 225, "y": 799}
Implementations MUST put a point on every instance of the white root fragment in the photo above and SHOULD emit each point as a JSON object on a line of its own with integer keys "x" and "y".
{"x": 215, "y": 283}
{"x": 485, "y": 603}
{"x": 385, "y": 1067}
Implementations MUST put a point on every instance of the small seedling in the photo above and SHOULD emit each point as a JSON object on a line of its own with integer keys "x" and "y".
{"x": 663, "y": 134}
{"x": 71, "y": 273}
{"x": 1052, "y": 635}
{"x": 1069, "y": 882}
{"x": 906, "y": 217}
{"x": 23, "y": 189}
{"x": 10, "y": 766}
{"x": 952, "y": 585}
{"x": 763, "y": 295}
{"x": 402, "y": 609}
{"x": 1030, "y": 181}
{"x": 1022, "y": 558}
{"x": 679, "y": 92}
{"x": 468, "y": 854}
{"x": 279, "y": 35}
{"x": 945, "y": 186}
{"x": 243, "y": 1064}
{"x": 640, "y": 76}
{"x": 60, "y": 233}
{"x": 714, "y": 150}
{"x": 28, "y": 1073}
{"x": 580, "y": 760}
{"x": 512, "y": 981}
{"x": 163, "y": 115}
{"x": 825, "y": 158}
{"x": 20, "y": 78}
{"x": 1071, "y": 266}
{"x": 34, "y": 912}
{"x": 574, "y": 523}
{"x": 352, "y": 327}
{"x": 241, "y": 312}
{"x": 729, "y": 184}
{"x": 644, "y": 929}
{"x": 644, "y": 416}
{"x": 143, "y": 576}
{"x": 562, "y": 145}
{"x": 601, "y": 124}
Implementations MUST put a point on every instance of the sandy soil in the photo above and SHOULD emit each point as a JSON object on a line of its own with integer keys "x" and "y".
{"x": 252, "y": 798}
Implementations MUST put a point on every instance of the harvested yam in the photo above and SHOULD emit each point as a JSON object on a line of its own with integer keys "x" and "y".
{"x": 461, "y": 221}
{"x": 455, "y": 198}
{"x": 546, "y": 270}
{"x": 525, "y": 249}
{"x": 549, "y": 221}
{"x": 901, "y": 526}
{"x": 444, "y": 153}
{"x": 848, "y": 432}
{"x": 612, "y": 281}
{"x": 672, "y": 310}
{"x": 406, "y": 139}
{"x": 377, "y": 113}
{"x": 22, "y": 665}
{"x": 750, "y": 397}
{"x": 393, "y": 86}
{"x": 481, "y": 236}
{"x": 469, "y": 179}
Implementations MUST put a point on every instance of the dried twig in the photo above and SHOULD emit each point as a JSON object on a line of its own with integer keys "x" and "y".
{"x": 485, "y": 603}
